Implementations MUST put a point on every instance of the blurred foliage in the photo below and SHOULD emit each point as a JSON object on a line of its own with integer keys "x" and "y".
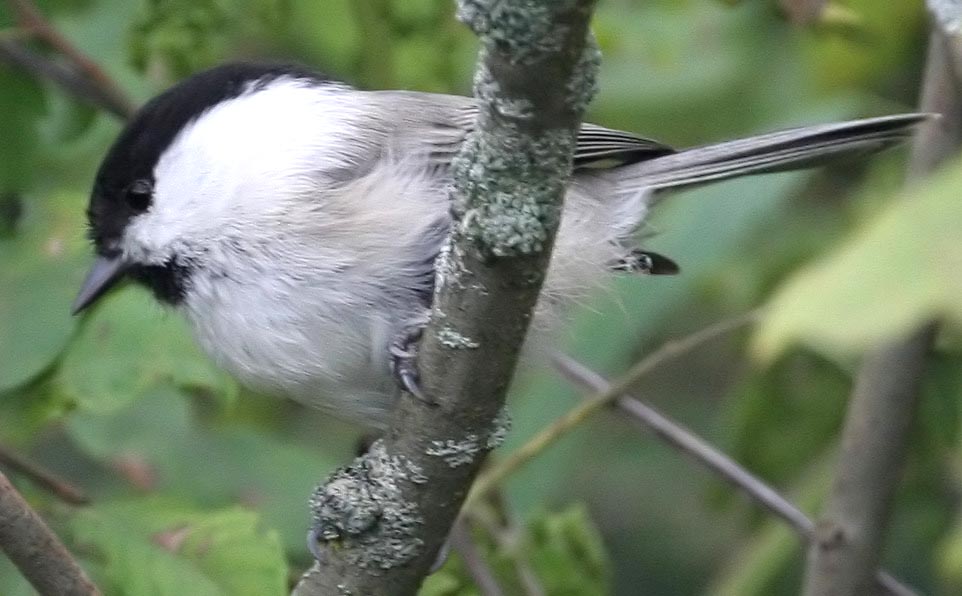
{"x": 151, "y": 546}
{"x": 563, "y": 551}
{"x": 200, "y": 487}
{"x": 860, "y": 302}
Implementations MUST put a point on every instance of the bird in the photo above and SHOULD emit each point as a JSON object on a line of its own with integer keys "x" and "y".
{"x": 294, "y": 220}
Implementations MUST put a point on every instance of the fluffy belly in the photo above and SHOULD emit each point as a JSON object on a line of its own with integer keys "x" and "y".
{"x": 335, "y": 361}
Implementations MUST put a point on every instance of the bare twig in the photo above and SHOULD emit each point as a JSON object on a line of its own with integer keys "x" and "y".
{"x": 851, "y": 530}
{"x": 498, "y": 472}
{"x": 478, "y": 568}
{"x": 686, "y": 441}
{"x": 503, "y": 527}
{"x": 37, "y": 553}
{"x": 83, "y": 78}
{"x": 44, "y": 478}
{"x": 392, "y": 508}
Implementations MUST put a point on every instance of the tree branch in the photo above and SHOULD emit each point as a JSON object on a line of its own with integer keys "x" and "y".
{"x": 947, "y": 24}
{"x": 686, "y": 441}
{"x": 850, "y": 533}
{"x": 34, "y": 549}
{"x": 83, "y": 78}
{"x": 381, "y": 521}
{"x": 64, "y": 490}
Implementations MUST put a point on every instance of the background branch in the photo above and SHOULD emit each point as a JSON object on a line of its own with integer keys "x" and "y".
{"x": 381, "y": 521}
{"x": 850, "y": 533}
{"x": 37, "y": 553}
{"x": 684, "y": 440}
{"x": 478, "y": 568}
{"x": 44, "y": 478}
{"x": 83, "y": 77}
{"x": 500, "y": 471}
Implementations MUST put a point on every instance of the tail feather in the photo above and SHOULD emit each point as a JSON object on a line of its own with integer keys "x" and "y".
{"x": 773, "y": 152}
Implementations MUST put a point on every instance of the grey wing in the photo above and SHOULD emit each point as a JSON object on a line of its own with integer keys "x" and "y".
{"x": 438, "y": 124}
{"x": 598, "y": 147}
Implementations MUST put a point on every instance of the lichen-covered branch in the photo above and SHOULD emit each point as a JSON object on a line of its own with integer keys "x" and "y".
{"x": 849, "y": 535}
{"x": 381, "y": 521}
{"x": 34, "y": 549}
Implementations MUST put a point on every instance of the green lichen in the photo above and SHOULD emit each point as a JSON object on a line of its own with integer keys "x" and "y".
{"x": 456, "y": 453}
{"x": 363, "y": 508}
{"x": 511, "y": 171}
{"x": 487, "y": 89}
{"x": 500, "y": 427}
{"x": 525, "y": 31}
{"x": 449, "y": 270}
{"x": 582, "y": 85}
{"x": 455, "y": 340}
{"x": 508, "y": 184}
{"x": 460, "y": 452}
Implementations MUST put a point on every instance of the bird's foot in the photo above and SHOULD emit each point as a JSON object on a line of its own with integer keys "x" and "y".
{"x": 403, "y": 352}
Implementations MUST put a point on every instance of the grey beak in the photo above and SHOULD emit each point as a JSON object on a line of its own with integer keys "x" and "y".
{"x": 104, "y": 274}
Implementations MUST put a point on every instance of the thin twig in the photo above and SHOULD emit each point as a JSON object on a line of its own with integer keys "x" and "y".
{"x": 36, "y": 551}
{"x": 44, "y": 478}
{"x": 687, "y": 442}
{"x": 684, "y": 440}
{"x": 498, "y": 472}
{"x": 503, "y": 527}
{"x": 109, "y": 94}
{"x": 479, "y": 570}
{"x": 16, "y": 53}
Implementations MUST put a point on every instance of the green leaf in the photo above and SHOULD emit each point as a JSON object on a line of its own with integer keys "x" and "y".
{"x": 26, "y": 410}
{"x": 564, "y": 550}
{"x": 127, "y": 347}
{"x": 900, "y": 270}
{"x": 183, "y": 36}
{"x": 238, "y": 463}
{"x": 567, "y": 553}
{"x": 41, "y": 267}
{"x": 156, "y": 546}
{"x": 22, "y": 106}
{"x": 949, "y": 559}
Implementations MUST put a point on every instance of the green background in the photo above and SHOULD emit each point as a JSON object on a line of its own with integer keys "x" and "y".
{"x": 198, "y": 486}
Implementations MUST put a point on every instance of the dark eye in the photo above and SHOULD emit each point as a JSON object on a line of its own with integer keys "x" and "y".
{"x": 139, "y": 194}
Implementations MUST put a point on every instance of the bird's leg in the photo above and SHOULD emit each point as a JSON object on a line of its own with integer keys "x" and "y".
{"x": 403, "y": 358}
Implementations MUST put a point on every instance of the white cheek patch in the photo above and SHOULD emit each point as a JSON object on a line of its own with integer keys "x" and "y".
{"x": 239, "y": 164}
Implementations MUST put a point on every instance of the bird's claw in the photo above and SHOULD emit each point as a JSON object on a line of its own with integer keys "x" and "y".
{"x": 403, "y": 352}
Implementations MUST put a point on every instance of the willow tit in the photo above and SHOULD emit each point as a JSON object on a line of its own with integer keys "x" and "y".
{"x": 295, "y": 220}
